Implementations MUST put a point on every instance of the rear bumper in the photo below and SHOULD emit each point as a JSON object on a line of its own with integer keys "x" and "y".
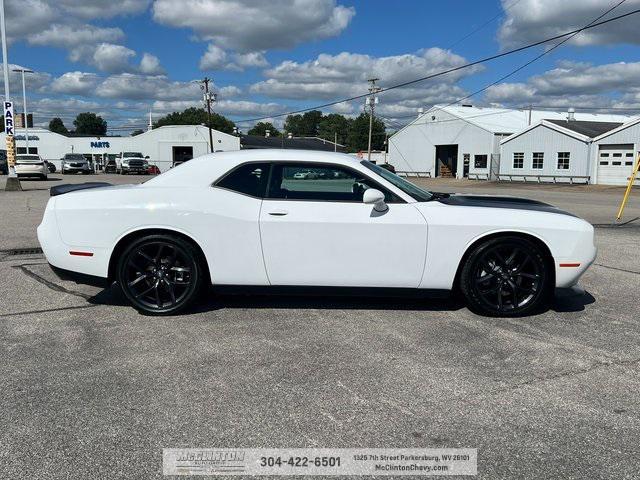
{"x": 29, "y": 170}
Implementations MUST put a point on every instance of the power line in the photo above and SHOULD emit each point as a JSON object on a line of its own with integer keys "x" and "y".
{"x": 538, "y": 57}
{"x": 450, "y": 70}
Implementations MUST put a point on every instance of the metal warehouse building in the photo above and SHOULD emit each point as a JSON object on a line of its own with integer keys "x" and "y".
{"x": 163, "y": 145}
{"x": 572, "y": 151}
{"x": 465, "y": 141}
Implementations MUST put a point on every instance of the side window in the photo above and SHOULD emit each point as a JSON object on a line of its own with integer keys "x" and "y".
{"x": 326, "y": 183}
{"x": 249, "y": 179}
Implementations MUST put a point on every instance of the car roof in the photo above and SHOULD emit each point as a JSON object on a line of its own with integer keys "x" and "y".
{"x": 207, "y": 168}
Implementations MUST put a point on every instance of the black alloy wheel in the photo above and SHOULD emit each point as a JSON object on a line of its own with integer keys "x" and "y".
{"x": 160, "y": 274}
{"x": 506, "y": 276}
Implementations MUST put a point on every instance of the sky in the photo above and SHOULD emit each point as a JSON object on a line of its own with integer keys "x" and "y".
{"x": 125, "y": 58}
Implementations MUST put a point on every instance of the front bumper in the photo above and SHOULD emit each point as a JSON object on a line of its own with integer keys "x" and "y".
{"x": 67, "y": 168}
{"x": 134, "y": 169}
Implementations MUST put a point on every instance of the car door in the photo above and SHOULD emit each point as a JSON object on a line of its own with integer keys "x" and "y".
{"x": 316, "y": 231}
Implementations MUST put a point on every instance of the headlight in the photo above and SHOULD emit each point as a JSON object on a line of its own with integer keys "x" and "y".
{"x": 125, "y": 163}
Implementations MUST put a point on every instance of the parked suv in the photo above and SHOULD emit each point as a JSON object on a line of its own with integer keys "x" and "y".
{"x": 75, "y": 163}
{"x": 132, "y": 162}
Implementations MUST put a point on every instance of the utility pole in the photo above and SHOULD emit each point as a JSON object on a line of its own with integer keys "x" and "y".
{"x": 13, "y": 183}
{"x": 24, "y": 106}
{"x": 335, "y": 141}
{"x": 530, "y": 108}
{"x": 371, "y": 101}
{"x": 208, "y": 99}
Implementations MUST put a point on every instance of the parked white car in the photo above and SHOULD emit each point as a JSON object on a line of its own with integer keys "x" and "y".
{"x": 240, "y": 218}
{"x": 31, "y": 166}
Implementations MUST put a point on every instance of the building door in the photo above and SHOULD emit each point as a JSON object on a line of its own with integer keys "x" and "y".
{"x": 182, "y": 154}
{"x": 615, "y": 164}
{"x": 446, "y": 160}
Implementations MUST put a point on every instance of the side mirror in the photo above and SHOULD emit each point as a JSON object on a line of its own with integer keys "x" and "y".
{"x": 147, "y": 157}
{"x": 376, "y": 198}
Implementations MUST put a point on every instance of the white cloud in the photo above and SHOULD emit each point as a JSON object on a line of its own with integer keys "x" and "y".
{"x": 571, "y": 83}
{"x": 250, "y": 25}
{"x": 113, "y": 58}
{"x": 214, "y": 58}
{"x": 329, "y": 77}
{"x": 131, "y": 86}
{"x": 33, "y": 81}
{"x": 27, "y": 16}
{"x": 251, "y": 60}
{"x": 150, "y": 65}
{"x": 75, "y": 83}
{"x": 532, "y": 20}
{"x": 102, "y": 9}
{"x": 72, "y": 36}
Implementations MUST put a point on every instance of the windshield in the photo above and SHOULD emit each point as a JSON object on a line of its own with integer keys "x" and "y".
{"x": 27, "y": 158}
{"x": 74, "y": 156}
{"x": 406, "y": 186}
{"x": 132, "y": 154}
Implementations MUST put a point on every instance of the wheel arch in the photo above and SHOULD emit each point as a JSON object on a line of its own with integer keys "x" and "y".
{"x": 127, "y": 238}
{"x": 506, "y": 233}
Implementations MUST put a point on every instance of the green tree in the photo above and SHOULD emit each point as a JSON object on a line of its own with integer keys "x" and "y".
{"x": 358, "y": 137}
{"x": 261, "y": 127}
{"x": 197, "y": 116}
{"x": 90, "y": 124}
{"x": 305, "y": 125}
{"x": 56, "y": 125}
{"x": 332, "y": 124}
{"x": 137, "y": 132}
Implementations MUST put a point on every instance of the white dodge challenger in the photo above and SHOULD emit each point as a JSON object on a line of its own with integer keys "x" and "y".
{"x": 250, "y": 219}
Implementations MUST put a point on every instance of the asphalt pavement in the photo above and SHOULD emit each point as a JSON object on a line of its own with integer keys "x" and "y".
{"x": 92, "y": 389}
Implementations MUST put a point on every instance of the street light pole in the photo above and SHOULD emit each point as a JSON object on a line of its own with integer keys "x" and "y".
{"x": 24, "y": 106}
{"x": 13, "y": 183}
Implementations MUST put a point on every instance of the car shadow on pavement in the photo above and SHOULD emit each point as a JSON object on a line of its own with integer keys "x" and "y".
{"x": 573, "y": 303}
{"x": 212, "y": 301}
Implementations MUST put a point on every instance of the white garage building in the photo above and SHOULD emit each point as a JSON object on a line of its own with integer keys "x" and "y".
{"x": 464, "y": 141}
{"x": 163, "y": 145}
{"x": 571, "y": 151}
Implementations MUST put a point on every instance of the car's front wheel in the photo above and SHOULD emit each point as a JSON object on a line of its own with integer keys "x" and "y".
{"x": 506, "y": 276}
{"x": 160, "y": 274}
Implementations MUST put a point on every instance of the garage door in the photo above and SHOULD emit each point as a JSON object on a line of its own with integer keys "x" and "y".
{"x": 615, "y": 164}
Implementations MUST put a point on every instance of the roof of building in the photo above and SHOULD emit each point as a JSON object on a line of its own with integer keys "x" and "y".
{"x": 508, "y": 120}
{"x": 587, "y": 128}
{"x": 299, "y": 143}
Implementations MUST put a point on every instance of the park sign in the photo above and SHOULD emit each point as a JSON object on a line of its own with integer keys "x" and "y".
{"x": 8, "y": 118}
{"x": 9, "y": 130}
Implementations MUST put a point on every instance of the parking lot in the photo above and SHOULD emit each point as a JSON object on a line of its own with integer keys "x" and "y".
{"x": 91, "y": 389}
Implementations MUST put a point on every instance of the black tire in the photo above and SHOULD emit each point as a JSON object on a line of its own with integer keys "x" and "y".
{"x": 506, "y": 277}
{"x": 160, "y": 274}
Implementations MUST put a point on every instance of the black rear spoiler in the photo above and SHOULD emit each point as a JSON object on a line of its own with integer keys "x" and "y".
{"x": 69, "y": 187}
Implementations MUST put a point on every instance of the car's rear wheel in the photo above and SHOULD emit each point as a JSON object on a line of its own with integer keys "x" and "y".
{"x": 160, "y": 274}
{"x": 506, "y": 276}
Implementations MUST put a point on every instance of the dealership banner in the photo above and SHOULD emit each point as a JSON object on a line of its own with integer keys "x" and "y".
{"x": 320, "y": 461}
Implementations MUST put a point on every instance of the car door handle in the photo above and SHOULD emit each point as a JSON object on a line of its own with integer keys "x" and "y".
{"x": 278, "y": 213}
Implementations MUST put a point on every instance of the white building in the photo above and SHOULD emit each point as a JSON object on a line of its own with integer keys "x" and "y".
{"x": 163, "y": 145}
{"x": 464, "y": 141}
{"x": 572, "y": 151}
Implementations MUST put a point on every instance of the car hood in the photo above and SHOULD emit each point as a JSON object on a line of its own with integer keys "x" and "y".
{"x": 488, "y": 201}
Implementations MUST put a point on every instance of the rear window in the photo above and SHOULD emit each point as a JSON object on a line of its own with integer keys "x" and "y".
{"x": 249, "y": 179}
{"x": 28, "y": 158}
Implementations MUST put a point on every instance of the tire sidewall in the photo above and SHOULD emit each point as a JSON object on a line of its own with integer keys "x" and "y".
{"x": 194, "y": 289}
{"x": 478, "y": 305}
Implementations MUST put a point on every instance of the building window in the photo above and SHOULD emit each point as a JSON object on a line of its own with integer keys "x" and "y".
{"x": 518, "y": 160}
{"x": 563, "y": 160}
{"x": 480, "y": 161}
{"x": 616, "y": 163}
{"x": 23, "y": 150}
{"x": 604, "y": 163}
{"x": 604, "y": 154}
{"x": 538, "y": 160}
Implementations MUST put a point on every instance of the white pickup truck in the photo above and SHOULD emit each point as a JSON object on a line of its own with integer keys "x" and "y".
{"x": 132, "y": 162}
